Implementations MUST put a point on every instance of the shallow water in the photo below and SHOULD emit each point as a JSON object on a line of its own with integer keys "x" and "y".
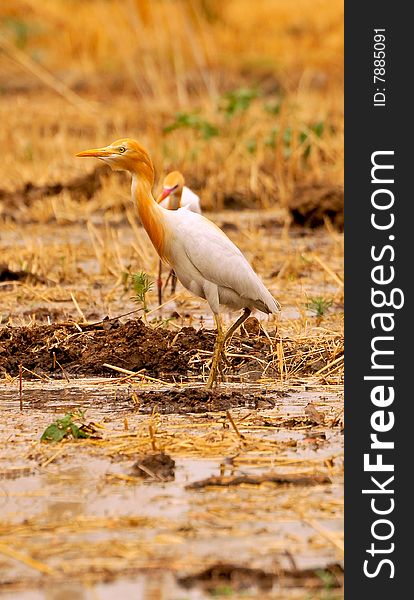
{"x": 71, "y": 508}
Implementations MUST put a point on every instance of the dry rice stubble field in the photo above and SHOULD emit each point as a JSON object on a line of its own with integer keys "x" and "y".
{"x": 175, "y": 493}
{"x": 78, "y": 511}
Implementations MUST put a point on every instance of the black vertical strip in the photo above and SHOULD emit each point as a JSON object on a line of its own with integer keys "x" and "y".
{"x": 370, "y": 129}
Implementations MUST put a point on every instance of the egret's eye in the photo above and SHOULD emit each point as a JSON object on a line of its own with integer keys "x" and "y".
{"x": 122, "y": 149}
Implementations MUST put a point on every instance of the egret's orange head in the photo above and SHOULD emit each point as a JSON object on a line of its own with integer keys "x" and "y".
{"x": 125, "y": 154}
{"x": 172, "y": 184}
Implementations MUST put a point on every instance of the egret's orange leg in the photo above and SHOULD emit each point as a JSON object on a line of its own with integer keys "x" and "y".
{"x": 159, "y": 283}
{"x": 171, "y": 276}
{"x": 246, "y": 314}
{"x": 219, "y": 348}
{"x": 173, "y": 282}
{"x": 167, "y": 280}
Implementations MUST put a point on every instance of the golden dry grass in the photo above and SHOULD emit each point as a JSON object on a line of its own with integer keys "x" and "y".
{"x": 133, "y": 65}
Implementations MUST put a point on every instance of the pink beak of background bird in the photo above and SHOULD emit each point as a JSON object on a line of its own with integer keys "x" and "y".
{"x": 165, "y": 193}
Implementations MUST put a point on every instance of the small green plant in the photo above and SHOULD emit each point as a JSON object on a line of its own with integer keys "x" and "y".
{"x": 270, "y": 140}
{"x": 273, "y": 108}
{"x": 65, "y": 428}
{"x": 20, "y": 28}
{"x": 317, "y": 130}
{"x": 141, "y": 284}
{"x": 303, "y": 138}
{"x": 193, "y": 121}
{"x": 286, "y": 137}
{"x": 328, "y": 581}
{"x": 319, "y": 305}
{"x": 251, "y": 146}
{"x": 237, "y": 101}
{"x": 222, "y": 591}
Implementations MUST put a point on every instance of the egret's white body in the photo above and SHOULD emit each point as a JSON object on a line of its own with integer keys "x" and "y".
{"x": 209, "y": 265}
{"x": 205, "y": 260}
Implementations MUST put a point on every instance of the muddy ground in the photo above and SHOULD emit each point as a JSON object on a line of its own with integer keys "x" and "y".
{"x": 119, "y": 473}
{"x": 78, "y": 349}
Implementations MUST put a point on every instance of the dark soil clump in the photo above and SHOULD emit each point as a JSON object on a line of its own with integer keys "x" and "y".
{"x": 83, "y": 350}
{"x": 158, "y": 466}
{"x": 13, "y": 203}
{"x": 7, "y": 274}
{"x": 311, "y": 204}
{"x": 79, "y": 349}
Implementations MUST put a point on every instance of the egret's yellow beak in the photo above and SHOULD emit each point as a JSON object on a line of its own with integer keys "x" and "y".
{"x": 98, "y": 152}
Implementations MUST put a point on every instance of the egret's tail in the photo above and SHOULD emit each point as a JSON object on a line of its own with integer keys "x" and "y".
{"x": 267, "y": 303}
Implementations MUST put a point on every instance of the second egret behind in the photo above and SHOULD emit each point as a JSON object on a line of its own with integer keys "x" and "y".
{"x": 175, "y": 195}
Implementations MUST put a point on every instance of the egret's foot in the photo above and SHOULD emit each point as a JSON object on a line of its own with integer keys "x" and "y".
{"x": 219, "y": 347}
{"x": 212, "y": 379}
{"x": 224, "y": 359}
{"x": 221, "y": 365}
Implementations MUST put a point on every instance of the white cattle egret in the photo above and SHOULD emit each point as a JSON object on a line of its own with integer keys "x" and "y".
{"x": 175, "y": 195}
{"x": 205, "y": 261}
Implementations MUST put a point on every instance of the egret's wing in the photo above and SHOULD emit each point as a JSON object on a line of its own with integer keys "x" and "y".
{"x": 219, "y": 261}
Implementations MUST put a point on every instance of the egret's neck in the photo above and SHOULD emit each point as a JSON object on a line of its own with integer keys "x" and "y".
{"x": 175, "y": 200}
{"x": 149, "y": 212}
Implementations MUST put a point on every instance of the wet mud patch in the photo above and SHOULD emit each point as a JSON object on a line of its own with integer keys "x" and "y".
{"x": 239, "y": 578}
{"x": 201, "y": 400}
{"x": 196, "y": 400}
{"x": 156, "y": 466}
{"x": 160, "y": 489}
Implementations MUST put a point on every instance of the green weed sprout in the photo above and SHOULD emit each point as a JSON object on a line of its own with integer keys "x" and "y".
{"x": 65, "y": 428}
{"x": 319, "y": 305}
{"x": 141, "y": 284}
